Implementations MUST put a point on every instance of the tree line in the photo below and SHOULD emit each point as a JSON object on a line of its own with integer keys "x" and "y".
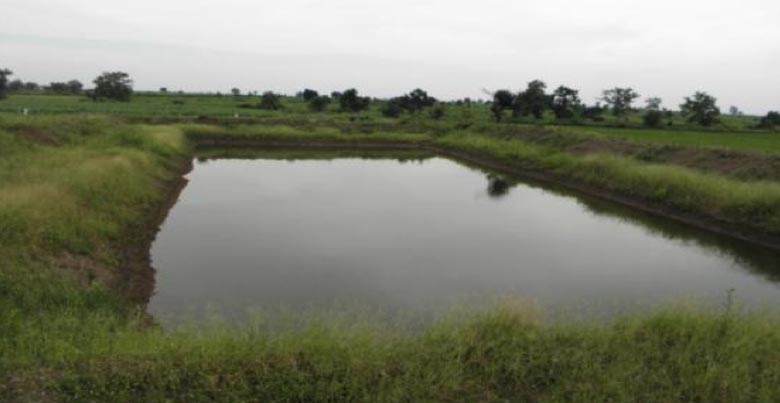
{"x": 534, "y": 101}
{"x": 564, "y": 102}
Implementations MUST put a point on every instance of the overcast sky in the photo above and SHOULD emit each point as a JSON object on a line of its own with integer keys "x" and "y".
{"x": 453, "y": 48}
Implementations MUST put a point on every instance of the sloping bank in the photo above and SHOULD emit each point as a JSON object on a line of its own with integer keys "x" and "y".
{"x": 82, "y": 189}
{"x": 749, "y": 210}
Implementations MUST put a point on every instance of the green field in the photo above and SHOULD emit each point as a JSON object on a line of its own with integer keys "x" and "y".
{"x": 78, "y": 179}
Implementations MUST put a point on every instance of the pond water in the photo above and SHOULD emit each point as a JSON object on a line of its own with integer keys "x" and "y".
{"x": 304, "y": 230}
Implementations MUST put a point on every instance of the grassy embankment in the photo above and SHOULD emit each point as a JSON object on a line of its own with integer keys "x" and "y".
{"x": 75, "y": 189}
{"x": 752, "y": 205}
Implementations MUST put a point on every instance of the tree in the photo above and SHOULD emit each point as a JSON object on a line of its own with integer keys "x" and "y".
{"x": 31, "y": 86}
{"x": 770, "y": 121}
{"x": 532, "y": 101}
{"x": 594, "y": 112}
{"x": 58, "y": 88}
{"x": 392, "y": 108}
{"x": 75, "y": 86}
{"x": 619, "y": 100}
{"x": 416, "y": 101}
{"x": 235, "y": 91}
{"x": 502, "y": 100}
{"x": 4, "y": 74}
{"x": 15, "y": 86}
{"x": 270, "y": 101}
{"x": 350, "y": 101}
{"x": 114, "y": 85}
{"x": 565, "y": 102}
{"x": 653, "y": 114}
{"x": 734, "y": 111}
{"x": 309, "y": 94}
{"x": 319, "y": 103}
{"x": 71, "y": 87}
{"x": 701, "y": 109}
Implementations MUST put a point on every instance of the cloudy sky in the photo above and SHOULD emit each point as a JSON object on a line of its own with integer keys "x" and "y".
{"x": 453, "y": 48}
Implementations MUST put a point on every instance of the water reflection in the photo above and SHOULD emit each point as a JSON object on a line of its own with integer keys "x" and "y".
{"x": 497, "y": 187}
{"x": 405, "y": 230}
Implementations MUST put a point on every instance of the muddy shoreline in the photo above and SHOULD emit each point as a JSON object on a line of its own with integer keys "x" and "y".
{"x": 521, "y": 171}
{"x": 135, "y": 281}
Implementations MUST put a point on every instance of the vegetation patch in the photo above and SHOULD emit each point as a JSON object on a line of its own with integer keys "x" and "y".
{"x": 76, "y": 190}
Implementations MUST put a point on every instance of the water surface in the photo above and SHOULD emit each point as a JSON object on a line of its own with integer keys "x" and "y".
{"x": 304, "y": 231}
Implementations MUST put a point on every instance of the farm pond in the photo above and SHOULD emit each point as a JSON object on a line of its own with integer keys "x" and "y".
{"x": 412, "y": 233}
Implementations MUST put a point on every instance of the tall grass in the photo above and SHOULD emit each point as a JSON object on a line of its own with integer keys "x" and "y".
{"x": 74, "y": 187}
{"x": 754, "y": 205}
{"x": 506, "y": 353}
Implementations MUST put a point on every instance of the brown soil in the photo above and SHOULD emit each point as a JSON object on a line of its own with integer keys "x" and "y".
{"x": 133, "y": 280}
{"x": 38, "y": 136}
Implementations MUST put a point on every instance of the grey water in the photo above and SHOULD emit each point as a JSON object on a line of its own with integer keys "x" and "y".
{"x": 303, "y": 231}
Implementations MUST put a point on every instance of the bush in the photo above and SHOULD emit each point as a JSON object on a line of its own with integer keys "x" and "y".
{"x": 770, "y": 121}
{"x": 438, "y": 112}
{"x": 270, "y": 101}
{"x": 392, "y": 108}
{"x": 350, "y": 101}
{"x": 652, "y": 118}
{"x": 319, "y": 103}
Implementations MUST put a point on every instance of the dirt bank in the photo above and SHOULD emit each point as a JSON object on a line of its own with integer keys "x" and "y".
{"x": 135, "y": 278}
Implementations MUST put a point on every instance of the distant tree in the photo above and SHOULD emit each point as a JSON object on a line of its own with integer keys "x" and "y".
{"x": 335, "y": 94}
{"x": 114, "y": 85}
{"x": 734, "y": 111}
{"x": 701, "y": 109}
{"x": 71, "y": 87}
{"x": 350, "y": 101}
{"x": 235, "y": 91}
{"x": 533, "y": 101}
{"x": 392, "y": 108}
{"x": 502, "y": 100}
{"x": 619, "y": 100}
{"x": 58, "y": 88}
{"x": 653, "y": 104}
{"x": 4, "y": 74}
{"x": 165, "y": 90}
{"x": 416, "y": 101}
{"x": 15, "y": 86}
{"x": 75, "y": 86}
{"x": 309, "y": 94}
{"x": 31, "y": 86}
{"x": 565, "y": 102}
{"x": 770, "y": 121}
{"x": 594, "y": 112}
{"x": 438, "y": 112}
{"x": 270, "y": 101}
{"x": 319, "y": 103}
{"x": 653, "y": 114}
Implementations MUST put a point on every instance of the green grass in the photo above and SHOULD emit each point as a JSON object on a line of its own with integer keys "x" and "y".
{"x": 507, "y": 353}
{"x": 753, "y": 205}
{"x": 768, "y": 142}
{"x": 77, "y": 188}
